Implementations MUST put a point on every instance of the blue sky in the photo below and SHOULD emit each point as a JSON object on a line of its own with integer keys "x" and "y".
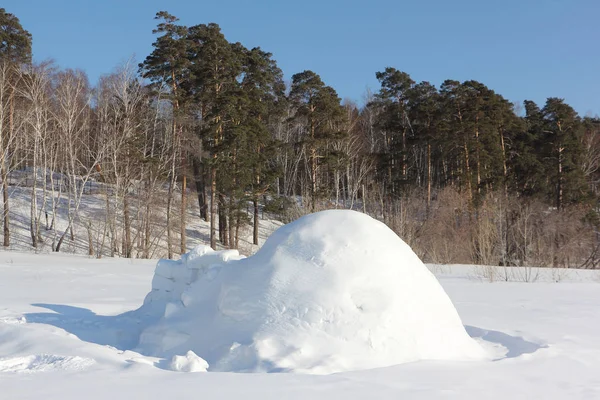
{"x": 523, "y": 49}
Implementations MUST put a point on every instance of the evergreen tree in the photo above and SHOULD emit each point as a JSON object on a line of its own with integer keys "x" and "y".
{"x": 168, "y": 65}
{"x": 264, "y": 90}
{"x": 457, "y": 139}
{"x": 505, "y": 126}
{"x": 527, "y": 167}
{"x": 476, "y": 125}
{"x": 215, "y": 67}
{"x": 15, "y": 41}
{"x": 426, "y": 119}
{"x": 561, "y": 152}
{"x": 393, "y": 100}
{"x": 318, "y": 107}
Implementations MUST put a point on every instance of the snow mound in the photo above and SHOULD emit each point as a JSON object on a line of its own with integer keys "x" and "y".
{"x": 188, "y": 363}
{"x": 44, "y": 363}
{"x": 333, "y": 291}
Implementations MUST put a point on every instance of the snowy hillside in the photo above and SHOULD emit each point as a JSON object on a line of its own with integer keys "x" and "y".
{"x": 92, "y": 213}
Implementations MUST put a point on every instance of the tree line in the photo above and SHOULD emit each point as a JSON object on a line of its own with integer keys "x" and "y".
{"x": 459, "y": 172}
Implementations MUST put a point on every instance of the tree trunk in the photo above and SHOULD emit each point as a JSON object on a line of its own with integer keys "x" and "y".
{"x": 213, "y": 208}
{"x": 478, "y": 156}
{"x": 237, "y": 230}
{"x": 4, "y": 172}
{"x": 428, "y": 176}
{"x": 107, "y": 224}
{"x": 364, "y": 199}
{"x": 183, "y": 235}
{"x": 231, "y": 227}
{"x": 6, "y": 208}
{"x": 62, "y": 238}
{"x": 559, "y": 188}
{"x": 255, "y": 228}
{"x": 169, "y": 222}
{"x": 33, "y": 217}
{"x": 313, "y": 166}
{"x": 504, "y": 167}
{"x": 127, "y": 223}
{"x": 90, "y": 239}
{"x": 404, "y": 162}
{"x": 337, "y": 187}
{"x": 351, "y": 188}
{"x": 199, "y": 180}
{"x": 223, "y": 236}
{"x": 147, "y": 229}
{"x": 468, "y": 171}
{"x": 147, "y": 232}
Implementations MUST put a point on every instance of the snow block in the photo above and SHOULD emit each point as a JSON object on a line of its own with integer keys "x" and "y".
{"x": 163, "y": 284}
{"x": 188, "y": 363}
{"x": 198, "y": 251}
{"x": 163, "y": 268}
{"x": 214, "y": 258}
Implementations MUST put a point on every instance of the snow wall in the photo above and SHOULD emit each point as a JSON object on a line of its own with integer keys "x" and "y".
{"x": 333, "y": 291}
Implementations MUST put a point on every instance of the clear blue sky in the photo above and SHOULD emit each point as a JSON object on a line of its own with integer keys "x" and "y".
{"x": 523, "y": 49}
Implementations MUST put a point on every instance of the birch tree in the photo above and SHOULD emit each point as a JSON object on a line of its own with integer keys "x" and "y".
{"x": 15, "y": 51}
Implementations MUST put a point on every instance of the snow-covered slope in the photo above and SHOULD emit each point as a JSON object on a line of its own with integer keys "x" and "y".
{"x": 333, "y": 291}
{"x": 92, "y": 214}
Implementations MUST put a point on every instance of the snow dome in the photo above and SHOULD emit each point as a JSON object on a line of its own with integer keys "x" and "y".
{"x": 333, "y": 291}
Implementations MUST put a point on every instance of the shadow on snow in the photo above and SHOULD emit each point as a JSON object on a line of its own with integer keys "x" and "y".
{"x": 515, "y": 345}
{"x": 119, "y": 331}
{"x": 123, "y": 331}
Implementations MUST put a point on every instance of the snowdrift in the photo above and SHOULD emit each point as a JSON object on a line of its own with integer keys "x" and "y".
{"x": 333, "y": 291}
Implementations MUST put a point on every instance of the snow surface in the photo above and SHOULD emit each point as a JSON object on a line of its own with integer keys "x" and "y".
{"x": 92, "y": 209}
{"x": 188, "y": 363}
{"x": 333, "y": 291}
{"x": 56, "y": 309}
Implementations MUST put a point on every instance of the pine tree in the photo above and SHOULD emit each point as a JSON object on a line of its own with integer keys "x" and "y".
{"x": 318, "y": 107}
{"x": 505, "y": 126}
{"x": 168, "y": 65}
{"x": 527, "y": 167}
{"x": 426, "y": 117}
{"x": 457, "y": 139}
{"x": 215, "y": 67}
{"x": 562, "y": 131}
{"x": 393, "y": 100}
{"x": 15, "y": 41}
{"x": 264, "y": 90}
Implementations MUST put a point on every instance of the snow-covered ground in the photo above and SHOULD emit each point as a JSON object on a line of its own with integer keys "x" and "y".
{"x": 67, "y": 330}
{"x": 92, "y": 210}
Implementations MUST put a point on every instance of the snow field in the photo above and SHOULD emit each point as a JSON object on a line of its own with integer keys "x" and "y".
{"x": 57, "y": 310}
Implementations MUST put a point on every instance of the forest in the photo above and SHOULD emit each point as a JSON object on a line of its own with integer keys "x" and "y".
{"x": 457, "y": 171}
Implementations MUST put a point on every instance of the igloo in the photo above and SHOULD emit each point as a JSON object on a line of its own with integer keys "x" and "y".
{"x": 333, "y": 291}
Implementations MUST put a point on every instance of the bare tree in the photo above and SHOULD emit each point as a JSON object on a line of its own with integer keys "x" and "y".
{"x": 36, "y": 89}
{"x": 73, "y": 97}
{"x": 9, "y": 76}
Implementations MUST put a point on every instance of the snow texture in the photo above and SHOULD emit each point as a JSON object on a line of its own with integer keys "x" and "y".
{"x": 44, "y": 363}
{"x": 188, "y": 363}
{"x": 543, "y": 336}
{"x": 333, "y": 291}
